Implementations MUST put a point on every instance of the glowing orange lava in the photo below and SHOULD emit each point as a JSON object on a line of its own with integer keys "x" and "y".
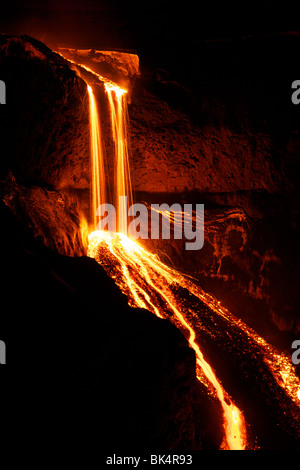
{"x": 129, "y": 252}
{"x": 150, "y": 284}
{"x": 98, "y": 171}
{"x": 119, "y": 119}
{"x": 146, "y": 282}
{"x": 119, "y": 124}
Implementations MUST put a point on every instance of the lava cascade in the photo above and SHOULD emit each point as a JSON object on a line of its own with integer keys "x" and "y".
{"x": 150, "y": 284}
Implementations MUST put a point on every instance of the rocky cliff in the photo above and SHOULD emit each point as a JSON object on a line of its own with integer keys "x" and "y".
{"x": 106, "y": 372}
{"x": 215, "y": 126}
{"x": 46, "y": 116}
{"x": 92, "y": 363}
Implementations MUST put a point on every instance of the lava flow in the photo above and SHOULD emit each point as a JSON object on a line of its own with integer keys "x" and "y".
{"x": 150, "y": 284}
{"x": 131, "y": 258}
{"x": 118, "y": 110}
{"x": 98, "y": 170}
{"x": 119, "y": 119}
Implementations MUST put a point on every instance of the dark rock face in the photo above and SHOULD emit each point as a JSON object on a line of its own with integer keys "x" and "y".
{"x": 195, "y": 141}
{"x": 217, "y": 138}
{"x": 179, "y": 156}
{"x": 97, "y": 363}
{"x": 217, "y": 126}
{"x": 215, "y": 132}
{"x": 247, "y": 264}
{"x": 106, "y": 371}
{"x": 46, "y": 115}
{"x": 225, "y": 114}
{"x": 52, "y": 217}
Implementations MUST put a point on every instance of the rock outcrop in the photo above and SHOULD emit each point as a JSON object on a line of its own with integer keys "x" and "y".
{"x": 119, "y": 66}
{"x": 106, "y": 372}
{"x": 217, "y": 126}
{"x": 54, "y": 218}
{"x": 46, "y": 116}
{"x": 92, "y": 363}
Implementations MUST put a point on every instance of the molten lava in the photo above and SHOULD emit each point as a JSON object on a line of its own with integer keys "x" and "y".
{"x": 98, "y": 171}
{"x": 119, "y": 124}
{"x": 119, "y": 119}
{"x": 133, "y": 258}
{"x": 150, "y": 284}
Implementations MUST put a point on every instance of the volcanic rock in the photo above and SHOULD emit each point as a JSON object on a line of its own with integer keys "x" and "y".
{"x": 214, "y": 124}
{"x": 92, "y": 363}
{"x": 45, "y": 122}
{"x": 119, "y": 66}
{"x": 52, "y": 217}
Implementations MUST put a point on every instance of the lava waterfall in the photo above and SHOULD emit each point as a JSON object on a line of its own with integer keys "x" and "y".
{"x": 150, "y": 284}
{"x": 142, "y": 343}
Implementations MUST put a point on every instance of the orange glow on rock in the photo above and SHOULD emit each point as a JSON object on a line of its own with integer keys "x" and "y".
{"x": 150, "y": 284}
{"x": 146, "y": 281}
{"x": 132, "y": 257}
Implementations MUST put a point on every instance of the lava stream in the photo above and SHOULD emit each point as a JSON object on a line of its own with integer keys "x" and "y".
{"x": 98, "y": 171}
{"x": 150, "y": 284}
{"x": 119, "y": 118}
{"x": 153, "y": 273}
{"x": 119, "y": 124}
{"x": 146, "y": 281}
